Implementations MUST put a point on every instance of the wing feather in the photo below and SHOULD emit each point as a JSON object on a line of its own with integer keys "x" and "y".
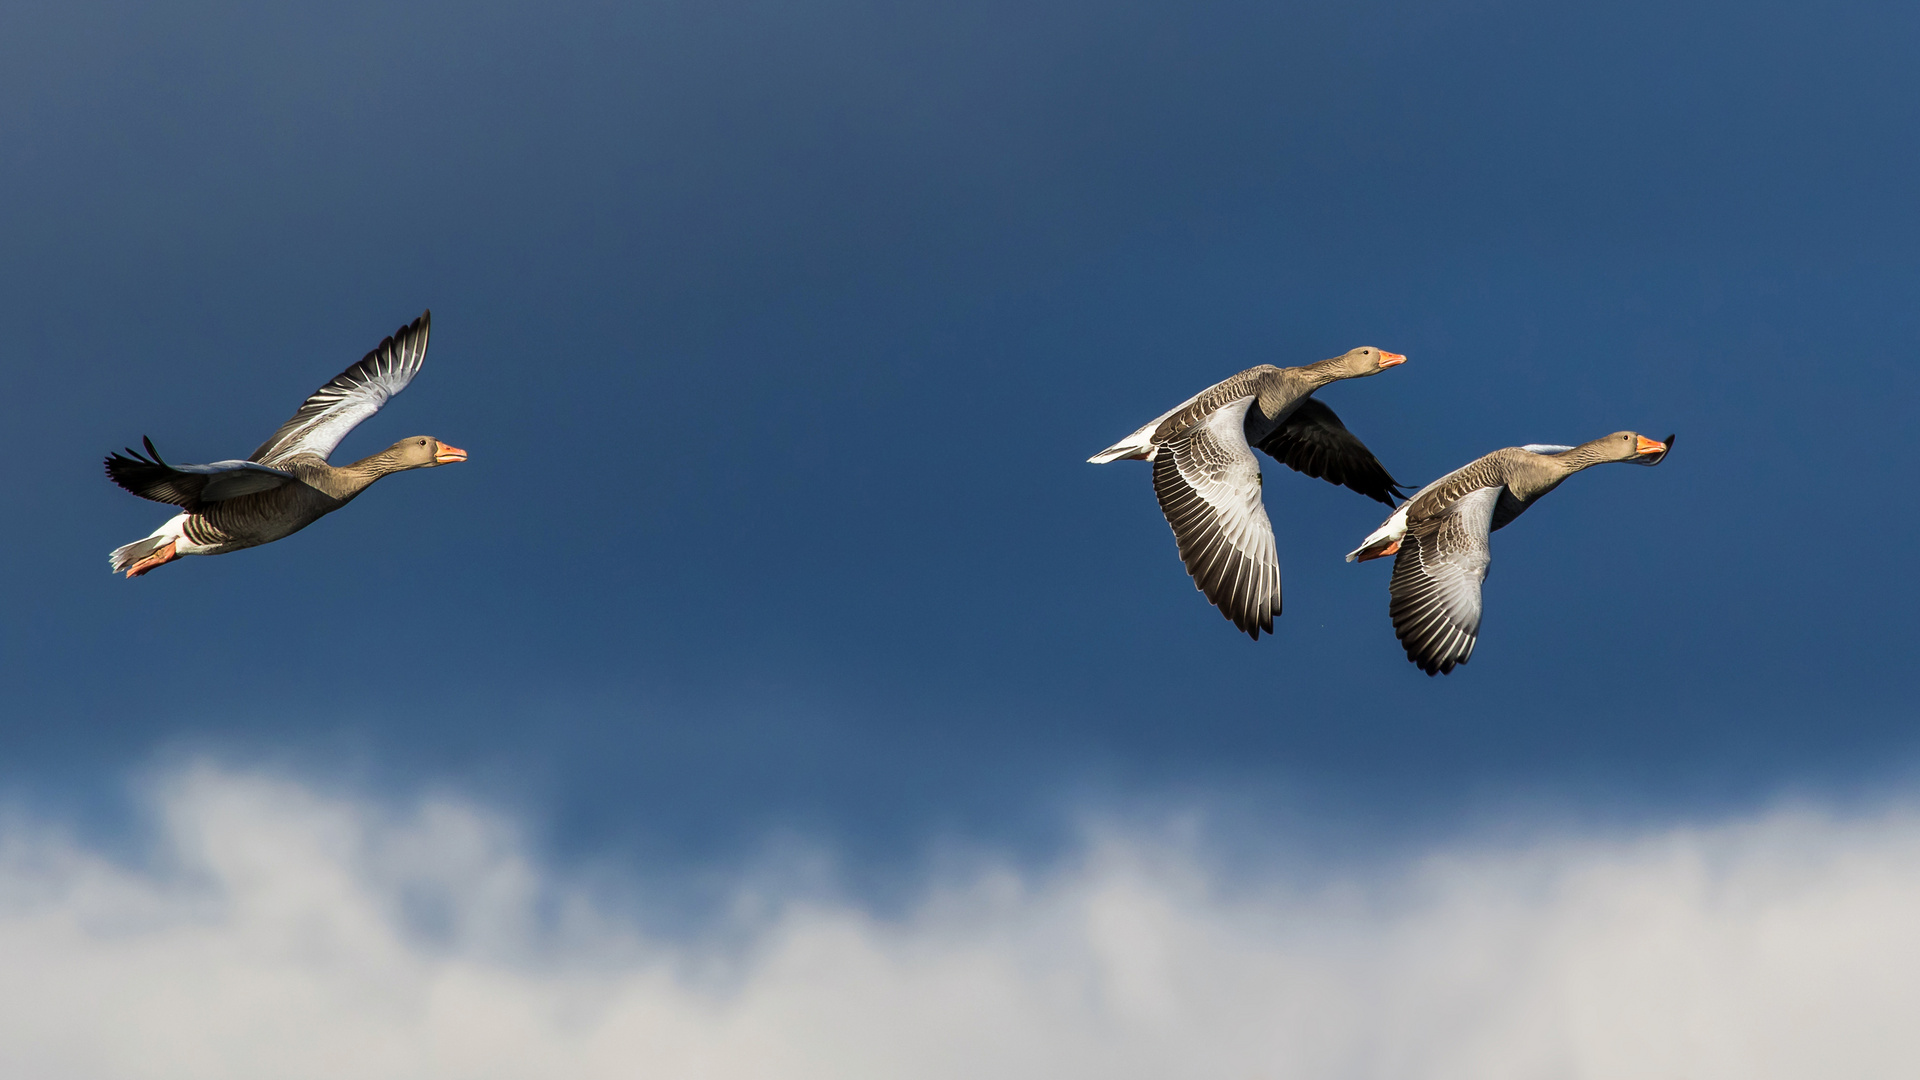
{"x": 1312, "y": 440}
{"x": 337, "y": 408}
{"x": 1208, "y": 483}
{"x": 1435, "y": 590}
{"x": 190, "y": 486}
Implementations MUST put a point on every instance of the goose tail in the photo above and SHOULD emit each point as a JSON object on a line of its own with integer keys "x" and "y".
{"x": 1136, "y": 447}
{"x": 1383, "y": 541}
{"x": 127, "y": 557}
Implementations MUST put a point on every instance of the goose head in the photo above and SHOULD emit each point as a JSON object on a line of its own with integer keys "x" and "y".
{"x": 1633, "y": 447}
{"x": 1363, "y": 361}
{"x": 422, "y": 452}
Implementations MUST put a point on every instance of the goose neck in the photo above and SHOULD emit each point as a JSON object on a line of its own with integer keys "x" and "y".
{"x": 355, "y": 478}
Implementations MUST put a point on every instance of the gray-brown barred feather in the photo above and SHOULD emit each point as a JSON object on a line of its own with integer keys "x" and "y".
{"x": 1249, "y": 382}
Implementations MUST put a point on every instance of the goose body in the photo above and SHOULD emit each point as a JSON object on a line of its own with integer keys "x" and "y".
{"x": 1209, "y": 483}
{"x": 1440, "y": 538}
{"x": 287, "y": 483}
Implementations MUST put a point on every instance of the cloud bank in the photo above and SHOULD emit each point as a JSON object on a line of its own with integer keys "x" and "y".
{"x": 282, "y": 932}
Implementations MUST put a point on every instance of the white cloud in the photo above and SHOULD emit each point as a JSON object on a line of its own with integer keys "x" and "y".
{"x": 283, "y": 933}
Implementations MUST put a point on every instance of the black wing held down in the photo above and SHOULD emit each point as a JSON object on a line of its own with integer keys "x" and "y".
{"x": 151, "y": 478}
{"x": 190, "y": 487}
{"x": 1315, "y": 442}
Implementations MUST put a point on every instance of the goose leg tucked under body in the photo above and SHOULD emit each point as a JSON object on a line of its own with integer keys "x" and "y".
{"x": 1439, "y": 538}
{"x": 1209, "y": 482}
{"x": 287, "y": 484}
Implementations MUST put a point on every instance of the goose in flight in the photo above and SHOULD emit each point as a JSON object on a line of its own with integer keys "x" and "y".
{"x": 1439, "y": 538}
{"x": 1209, "y": 482}
{"x": 287, "y": 484}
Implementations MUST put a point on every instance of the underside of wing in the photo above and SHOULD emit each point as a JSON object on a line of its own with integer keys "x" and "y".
{"x": 1512, "y": 506}
{"x": 1208, "y": 483}
{"x": 350, "y": 397}
{"x": 1312, "y": 440}
{"x": 189, "y": 486}
{"x": 1509, "y": 507}
{"x": 1435, "y": 590}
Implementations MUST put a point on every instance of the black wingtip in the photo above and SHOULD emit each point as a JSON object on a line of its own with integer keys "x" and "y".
{"x": 391, "y": 342}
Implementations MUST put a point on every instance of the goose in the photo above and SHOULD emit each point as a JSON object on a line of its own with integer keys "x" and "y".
{"x": 287, "y": 484}
{"x": 1208, "y": 481}
{"x": 1439, "y": 537}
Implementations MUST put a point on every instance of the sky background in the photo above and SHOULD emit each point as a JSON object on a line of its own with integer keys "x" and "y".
{"x": 779, "y": 335}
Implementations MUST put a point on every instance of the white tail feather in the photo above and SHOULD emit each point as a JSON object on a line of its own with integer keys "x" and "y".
{"x": 1137, "y": 445}
{"x": 1388, "y": 534}
{"x": 126, "y": 555}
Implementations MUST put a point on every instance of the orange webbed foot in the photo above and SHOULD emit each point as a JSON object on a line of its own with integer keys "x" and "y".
{"x": 159, "y": 558}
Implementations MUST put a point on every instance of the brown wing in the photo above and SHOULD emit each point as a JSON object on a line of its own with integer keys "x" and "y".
{"x": 1312, "y": 440}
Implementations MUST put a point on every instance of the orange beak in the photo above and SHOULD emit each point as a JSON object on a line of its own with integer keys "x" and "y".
{"x": 1389, "y": 359}
{"x": 449, "y": 454}
{"x": 1650, "y": 446}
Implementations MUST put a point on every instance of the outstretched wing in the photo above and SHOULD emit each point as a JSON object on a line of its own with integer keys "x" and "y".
{"x": 1312, "y": 440}
{"x": 1435, "y": 590}
{"x": 352, "y": 396}
{"x": 1208, "y": 482}
{"x": 189, "y": 486}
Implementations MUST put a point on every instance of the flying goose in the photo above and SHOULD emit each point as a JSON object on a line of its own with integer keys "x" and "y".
{"x": 1208, "y": 480}
{"x": 1440, "y": 538}
{"x": 287, "y": 484}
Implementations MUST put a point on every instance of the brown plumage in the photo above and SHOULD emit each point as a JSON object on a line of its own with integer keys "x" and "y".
{"x": 1440, "y": 538}
{"x": 1209, "y": 483}
{"x": 287, "y": 484}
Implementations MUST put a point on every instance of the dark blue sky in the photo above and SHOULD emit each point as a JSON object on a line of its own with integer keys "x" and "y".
{"x": 779, "y": 335}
